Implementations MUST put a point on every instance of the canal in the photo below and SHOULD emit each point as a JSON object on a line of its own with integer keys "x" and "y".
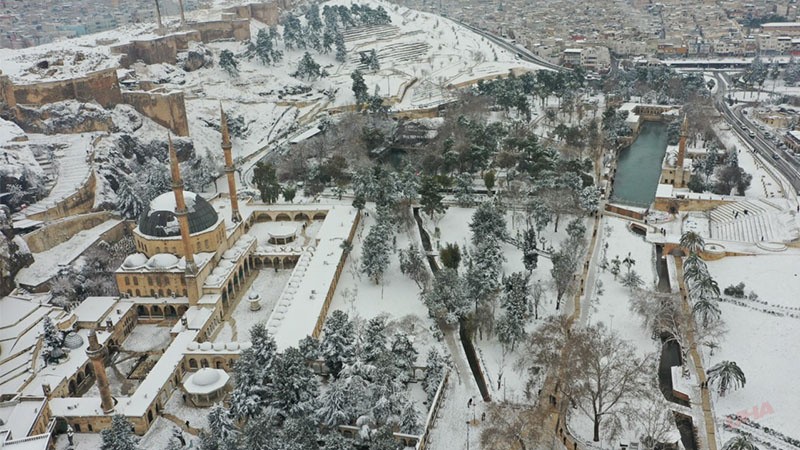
{"x": 639, "y": 166}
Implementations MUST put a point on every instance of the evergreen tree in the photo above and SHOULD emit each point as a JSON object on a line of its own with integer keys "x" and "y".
{"x": 341, "y": 50}
{"x": 308, "y": 69}
{"x": 375, "y": 339}
{"x": 299, "y": 433}
{"x": 334, "y": 406}
{"x": 488, "y": 222}
{"x": 464, "y": 190}
{"x": 338, "y": 342}
{"x": 52, "y": 337}
{"x": 266, "y": 180}
{"x": 450, "y": 255}
{"x": 227, "y": 61}
{"x": 431, "y": 197}
{"x": 289, "y": 193}
{"x": 119, "y": 436}
{"x": 312, "y": 39}
{"x": 483, "y": 271}
{"x": 263, "y": 47}
{"x": 530, "y": 253}
{"x": 336, "y": 441}
{"x": 405, "y": 356}
{"x": 293, "y": 388}
{"x": 359, "y": 87}
{"x": 252, "y": 372}
{"x": 370, "y": 60}
{"x": 743, "y": 442}
{"x": 222, "y": 433}
{"x": 312, "y": 17}
{"x": 409, "y": 419}
{"x": 383, "y": 439}
{"x": 328, "y": 39}
{"x": 590, "y": 199}
{"x": 447, "y": 299}
{"x": 565, "y": 263}
{"x": 293, "y": 32}
{"x": 375, "y": 251}
{"x": 309, "y": 348}
{"x": 435, "y": 367}
{"x": 413, "y": 265}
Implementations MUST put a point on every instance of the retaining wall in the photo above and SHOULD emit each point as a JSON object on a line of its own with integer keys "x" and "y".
{"x": 62, "y": 230}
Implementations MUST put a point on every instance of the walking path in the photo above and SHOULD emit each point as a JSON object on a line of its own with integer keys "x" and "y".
{"x": 710, "y": 434}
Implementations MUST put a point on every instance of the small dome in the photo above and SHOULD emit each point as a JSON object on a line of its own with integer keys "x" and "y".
{"x": 73, "y": 340}
{"x": 160, "y": 219}
{"x": 162, "y": 261}
{"x": 205, "y": 377}
{"x": 134, "y": 261}
{"x": 205, "y": 346}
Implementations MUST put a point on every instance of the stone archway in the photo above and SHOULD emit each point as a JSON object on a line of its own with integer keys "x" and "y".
{"x": 320, "y": 216}
{"x": 169, "y": 311}
{"x": 283, "y": 217}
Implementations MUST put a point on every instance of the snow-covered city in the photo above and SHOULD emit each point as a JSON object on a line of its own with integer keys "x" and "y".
{"x": 396, "y": 225}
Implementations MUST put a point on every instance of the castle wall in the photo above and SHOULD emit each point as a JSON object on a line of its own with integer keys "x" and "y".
{"x": 238, "y": 29}
{"x": 267, "y": 13}
{"x": 101, "y": 87}
{"x": 82, "y": 201}
{"x": 62, "y": 230}
{"x": 168, "y": 110}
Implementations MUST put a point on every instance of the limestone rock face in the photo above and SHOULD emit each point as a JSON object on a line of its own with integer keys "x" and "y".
{"x": 14, "y": 253}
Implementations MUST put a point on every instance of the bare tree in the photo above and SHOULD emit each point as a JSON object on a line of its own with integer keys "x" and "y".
{"x": 512, "y": 428}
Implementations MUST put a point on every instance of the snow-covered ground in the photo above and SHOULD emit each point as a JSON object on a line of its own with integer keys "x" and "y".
{"x": 147, "y": 338}
{"x": 760, "y": 341}
{"x": 46, "y": 264}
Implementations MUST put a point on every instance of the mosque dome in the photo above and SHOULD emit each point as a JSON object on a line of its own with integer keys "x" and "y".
{"x": 160, "y": 220}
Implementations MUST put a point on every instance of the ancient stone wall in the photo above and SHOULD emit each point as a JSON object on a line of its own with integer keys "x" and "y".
{"x": 101, "y": 87}
{"x": 267, "y": 13}
{"x": 223, "y": 30}
{"x": 8, "y": 101}
{"x": 167, "y": 109}
{"x": 80, "y": 202}
{"x": 154, "y": 51}
{"x": 62, "y": 230}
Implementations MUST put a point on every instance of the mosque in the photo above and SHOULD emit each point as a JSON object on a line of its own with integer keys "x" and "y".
{"x": 195, "y": 259}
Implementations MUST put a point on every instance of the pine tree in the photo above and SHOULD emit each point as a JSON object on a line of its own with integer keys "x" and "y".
{"x": 221, "y": 430}
{"x": 590, "y": 199}
{"x": 370, "y": 60}
{"x": 263, "y": 47}
{"x": 52, "y": 337}
{"x": 360, "y": 90}
{"x": 308, "y": 69}
{"x": 341, "y": 50}
{"x": 483, "y": 271}
{"x": 334, "y": 406}
{"x": 464, "y": 191}
{"x": 431, "y": 198}
{"x": 338, "y": 342}
{"x": 227, "y": 61}
{"x": 447, "y": 299}
{"x": 530, "y": 253}
{"x": 336, "y": 441}
{"x": 312, "y": 17}
{"x": 435, "y": 367}
{"x": 309, "y": 348}
{"x": 293, "y": 32}
{"x": 409, "y": 419}
{"x": 293, "y": 387}
{"x": 488, "y": 222}
{"x": 375, "y": 251}
{"x": 119, "y": 436}
{"x": 450, "y": 255}
{"x": 300, "y": 433}
{"x": 328, "y": 39}
{"x": 266, "y": 180}
{"x": 383, "y": 439}
{"x": 405, "y": 356}
{"x": 375, "y": 340}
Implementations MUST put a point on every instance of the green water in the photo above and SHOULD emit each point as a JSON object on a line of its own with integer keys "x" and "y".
{"x": 639, "y": 166}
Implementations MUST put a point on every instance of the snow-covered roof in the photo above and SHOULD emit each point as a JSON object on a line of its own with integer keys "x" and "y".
{"x": 196, "y": 318}
{"x": 301, "y": 301}
{"x": 18, "y": 416}
{"x": 206, "y": 381}
{"x": 664, "y": 191}
{"x": 94, "y": 309}
{"x": 283, "y": 231}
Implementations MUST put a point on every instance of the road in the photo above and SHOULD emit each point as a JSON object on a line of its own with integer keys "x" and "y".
{"x": 523, "y": 53}
{"x": 762, "y": 146}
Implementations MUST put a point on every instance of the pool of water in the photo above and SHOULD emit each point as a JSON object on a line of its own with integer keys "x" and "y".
{"x": 639, "y": 166}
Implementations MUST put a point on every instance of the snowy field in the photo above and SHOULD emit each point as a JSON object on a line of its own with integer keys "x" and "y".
{"x": 758, "y": 340}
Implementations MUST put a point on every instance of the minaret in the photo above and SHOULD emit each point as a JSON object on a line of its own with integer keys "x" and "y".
{"x": 158, "y": 17}
{"x": 682, "y": 143}
{"x": 97, "y": 354}
{"x": 229, "y": 168}
{"x": 180, "y": 209}
{"x": 183, "y": 17}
